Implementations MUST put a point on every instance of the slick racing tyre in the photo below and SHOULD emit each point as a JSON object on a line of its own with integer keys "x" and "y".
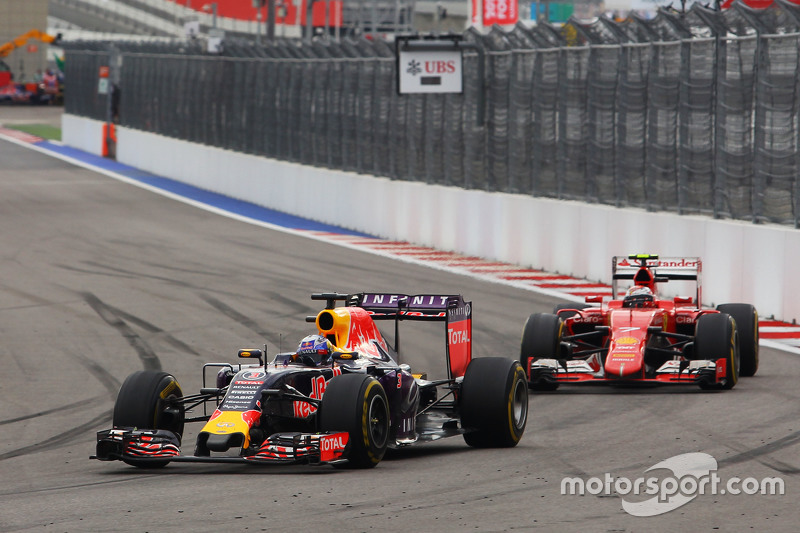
{"x": 560, "y": 307}
{"x": 493, "y": 403}
{"x": 716, "y": 338}
{"x": 357, "y": 404}
{"x": 746, "y": 318}
{"x": 541, "y": 339}
{"x": 143, "y": 402}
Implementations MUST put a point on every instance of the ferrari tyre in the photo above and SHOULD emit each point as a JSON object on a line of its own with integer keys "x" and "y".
{"x": 716, "y": 338}
{"x": 144, "y": 402}
{"x": 541, "y": 339}
{"x": 494, "y": 403}
{"x": 560, "y": 307}
{"x": 746, "y": 318}
{"x": 357, "y": 404}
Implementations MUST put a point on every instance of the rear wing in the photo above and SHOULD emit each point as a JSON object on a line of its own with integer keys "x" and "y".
{"x": 641, "y": 267}
{"x": 448, "y": 308}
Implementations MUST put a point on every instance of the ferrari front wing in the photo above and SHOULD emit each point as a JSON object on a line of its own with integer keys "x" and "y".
{"x": 671, "y": 372}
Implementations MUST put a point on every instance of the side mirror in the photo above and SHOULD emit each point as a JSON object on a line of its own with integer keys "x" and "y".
{"x": 683, "y": 300}
{"x": 594, "y": 299}
{"x": 345, "y": 356}
{"x": 253, "y": 354}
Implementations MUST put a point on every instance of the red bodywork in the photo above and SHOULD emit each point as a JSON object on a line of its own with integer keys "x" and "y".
{"x": 614, "y": 343}
{"x": 629, "y": 334}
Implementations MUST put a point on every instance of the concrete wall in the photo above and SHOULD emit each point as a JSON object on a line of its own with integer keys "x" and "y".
{"x": 82, "y": 133}
{"x": 743, "y": 262}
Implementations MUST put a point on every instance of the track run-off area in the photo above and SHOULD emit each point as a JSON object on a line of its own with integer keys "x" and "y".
{"x": 101, "y": 277}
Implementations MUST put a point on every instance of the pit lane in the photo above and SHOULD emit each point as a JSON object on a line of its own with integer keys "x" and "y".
{"x": 100, "y": 279}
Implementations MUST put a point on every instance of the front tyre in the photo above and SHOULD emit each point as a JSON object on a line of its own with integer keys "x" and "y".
{"x": 494, "y": 403}
{"x": 357, "y": 404}
{"x": 541, "y": 339}
{"x": 561, "y": 307}
{"x": 746, "y": 318}
{"x": 147, "y": 400}
{"x": 715, "y": 338}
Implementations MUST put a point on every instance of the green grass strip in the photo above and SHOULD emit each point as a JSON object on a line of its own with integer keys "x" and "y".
{"x": 44, "y": 131}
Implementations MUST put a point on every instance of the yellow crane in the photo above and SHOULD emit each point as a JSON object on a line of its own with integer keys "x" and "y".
{"x": 49, "y": 87}
{"x": 16, "y": 42}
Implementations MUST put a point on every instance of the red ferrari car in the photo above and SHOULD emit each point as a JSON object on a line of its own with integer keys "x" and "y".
{"x": 642, "y": 338}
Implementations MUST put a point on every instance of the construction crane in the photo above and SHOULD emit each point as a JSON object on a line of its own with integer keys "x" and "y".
{"x": 16, "y": 42}
{"x": 48, "y": 89}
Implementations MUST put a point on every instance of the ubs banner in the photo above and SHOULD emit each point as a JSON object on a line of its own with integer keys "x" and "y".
{"x": 429, "y": 71}
{"x": 495, "y": 12}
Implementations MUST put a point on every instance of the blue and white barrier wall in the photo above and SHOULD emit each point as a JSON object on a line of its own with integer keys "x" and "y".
{"x": 742, "y": 262}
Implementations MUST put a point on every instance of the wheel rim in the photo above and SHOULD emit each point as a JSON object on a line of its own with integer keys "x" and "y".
{"x": 519, "y": 404}
{"x": 378, "y": 425}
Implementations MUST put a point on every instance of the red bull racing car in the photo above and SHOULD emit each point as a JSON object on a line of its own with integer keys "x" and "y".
{"x": 341, "y": 398}
{"x": 642, "y": 338}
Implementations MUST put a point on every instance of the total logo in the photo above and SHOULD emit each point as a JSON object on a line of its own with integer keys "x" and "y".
{"x": 333, "y": 442}
{"x": 457, "y": 336}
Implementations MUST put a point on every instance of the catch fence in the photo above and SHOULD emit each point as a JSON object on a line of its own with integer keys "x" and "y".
{"x": 694, "y": 113}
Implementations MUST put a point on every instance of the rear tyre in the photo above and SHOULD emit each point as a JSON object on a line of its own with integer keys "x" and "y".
{"x": 494, "y": 403}
{"x": 716, "y": 338}
{"x": 357, "y": 404}
{"x": 146, "y": 401}
{"x": 746, "y": 318}
{"x": 541, "y": 339}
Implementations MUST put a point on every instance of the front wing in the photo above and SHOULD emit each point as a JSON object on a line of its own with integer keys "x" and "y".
{"x": 671, "y": 372}
{"x": 157, "y": 446}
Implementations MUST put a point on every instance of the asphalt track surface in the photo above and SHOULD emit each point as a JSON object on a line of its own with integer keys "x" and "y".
{"x": 101, "y": 278}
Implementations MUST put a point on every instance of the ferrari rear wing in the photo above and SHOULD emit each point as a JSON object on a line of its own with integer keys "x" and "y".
{"x": 663, "y": 269}
{"x": 448, "y": 308}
